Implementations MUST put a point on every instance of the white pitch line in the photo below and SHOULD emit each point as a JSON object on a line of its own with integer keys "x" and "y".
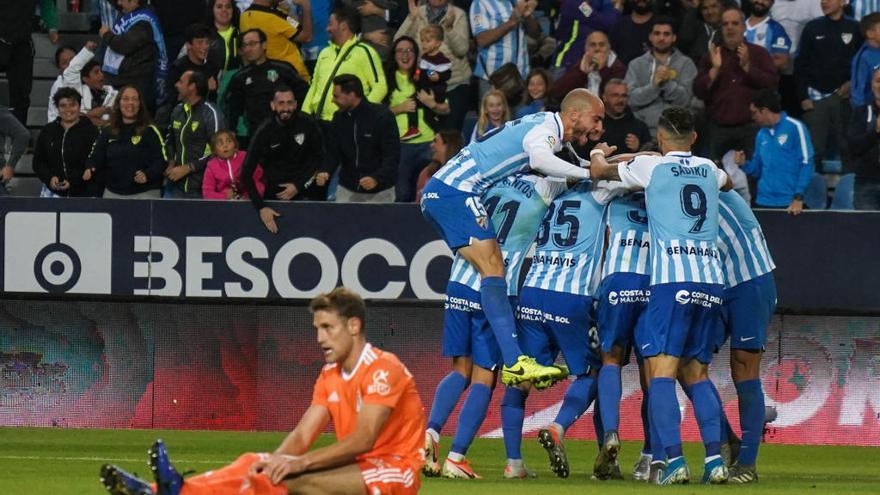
{"x": 101, "y": 459}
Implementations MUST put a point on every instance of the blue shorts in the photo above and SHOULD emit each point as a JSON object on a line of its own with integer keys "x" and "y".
{"x": 458, "y": 217}
{"x": 622, "y": 299}
{"x": 549, "y": 322}
{"x": 466, "y": 332}
{"x": 746, "y": 313}
{"x": 681, "y": 320}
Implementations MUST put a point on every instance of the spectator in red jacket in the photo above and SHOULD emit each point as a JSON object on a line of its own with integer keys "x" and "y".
{"x": 598, "y": 65}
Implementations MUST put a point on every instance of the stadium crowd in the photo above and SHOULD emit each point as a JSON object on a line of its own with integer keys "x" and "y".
{"x": 780, "y": 90}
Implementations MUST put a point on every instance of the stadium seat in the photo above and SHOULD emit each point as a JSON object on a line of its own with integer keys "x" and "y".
{"x": 843, "y": 194}
{"x": 816, "y": 196}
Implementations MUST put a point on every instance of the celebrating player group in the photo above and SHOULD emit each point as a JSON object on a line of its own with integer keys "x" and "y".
{"x": 647, "y": 254}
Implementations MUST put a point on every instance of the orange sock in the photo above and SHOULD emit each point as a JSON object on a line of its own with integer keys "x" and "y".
{"x": 232, "y": 480}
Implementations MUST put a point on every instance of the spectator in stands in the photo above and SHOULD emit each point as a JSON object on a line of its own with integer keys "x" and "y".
{"x": 129, "y": 154}
{"x": 63, "y": 148}
{"x": 676, "y": 10}
{"x": 17, "y": 50}
{"x": 537, "y": 86}
{"x": 622, "y": 128}
{"x": 763, "y": 31}
{"x": 727, "y": 79}
{"x": 577, "y": 20}
{"x": 456, "y": 42}
{"x": 290, "y": 148}
{"x": 500, "y": 29}
{"x": 174, "y": 17}
{"x": 345, "y": 55}
{"x": 252, "y": 88}
{"x": 136, "y": 54}
{"x": 282, "y": 33}
{"x": 597, "y": 66}
{"x": 793, "y": 16}
{"x": 863, "y": 138}
{"x": 698, "y": 28}
{"x": 367, "y": 146}
{"x": 447, "y": 143}
{"x": 783, "y": 157}
{"x": 198, "y": 43}
{"x": 63, "y": 55}
{"x": 865, "y": 61}
{"x": 629, "y": 37}
{"x": 223, "y": 175}
{"x": 193, "y": 121}
{"x": 374, "y": 15}
{"x": 223, "y": 45}
{"x": 84, "y": 74}
{"x": 822, "y": 71}
{"x": 11, "y": 128}
{"x": 320, "y": 38}
{"x": 661, "y": 78}
{"x": 494, "y": 113}
{"x": 430, "y": 75}
{"x": 415, "y": 153}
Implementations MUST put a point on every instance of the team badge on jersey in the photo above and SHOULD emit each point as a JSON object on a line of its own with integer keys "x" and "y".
{"x": 194, "y": 126}
{"x": 782, "y": 138}
{"x": 272, "y": 75}
{"x": 846, "y": 38}
{"x": 585, "y": 9}
{"x": 551, "y": 141}
{"x": 299, "y": 138}
{"x": 135, "y": 140}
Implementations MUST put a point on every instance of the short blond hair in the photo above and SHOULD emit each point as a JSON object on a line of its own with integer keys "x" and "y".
{"x": 433, "y": 31}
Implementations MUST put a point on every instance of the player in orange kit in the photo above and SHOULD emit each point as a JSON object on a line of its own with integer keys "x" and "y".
{"x": 367, "y": 393}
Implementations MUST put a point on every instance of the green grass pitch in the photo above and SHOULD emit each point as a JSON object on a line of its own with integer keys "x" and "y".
{"x": 36, "y": 461}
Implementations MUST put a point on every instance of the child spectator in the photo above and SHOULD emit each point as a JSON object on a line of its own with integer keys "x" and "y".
{"x": 434, "y": 70}
{"x": 867, "y": 59}
{"x": 537, "y": 84}
{"x": 223, "y": 174}
{"x": 494, "y": 112}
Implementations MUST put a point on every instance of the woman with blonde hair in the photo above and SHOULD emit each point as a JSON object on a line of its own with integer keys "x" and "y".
{"x": 494, "y": 112}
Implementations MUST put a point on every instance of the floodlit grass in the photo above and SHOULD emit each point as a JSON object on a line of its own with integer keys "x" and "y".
{"x": 36, "y": 461}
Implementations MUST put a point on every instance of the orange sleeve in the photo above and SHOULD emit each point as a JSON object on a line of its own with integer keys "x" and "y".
{"x": 384, "y": 383}
{"x": 319, "y": 396}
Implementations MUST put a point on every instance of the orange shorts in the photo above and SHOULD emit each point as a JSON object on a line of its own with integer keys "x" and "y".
{"x": 389, "y": 476}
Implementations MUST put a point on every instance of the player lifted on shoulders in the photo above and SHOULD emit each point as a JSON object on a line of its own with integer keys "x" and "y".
{"x": 681, "y": 192}
{"x": 749, "y": 303}
{"x": 451, "y": 202}
{"x": 516, "y": 207}
{"x": 367, "y": 393}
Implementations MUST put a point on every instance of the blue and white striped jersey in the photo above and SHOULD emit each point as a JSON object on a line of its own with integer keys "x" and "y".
{"x": 510, "y": 48}
{"x": 629, "y": 243}
{"x": 516, "y": 206}
{"x": 681, "y": 192}
{"x": 744, "y": 252}
{"x": 569, "y": 244}
{"x": 769, "y": 35}
{"x": 861, "y": 8}
{"x": 522, "y": 144}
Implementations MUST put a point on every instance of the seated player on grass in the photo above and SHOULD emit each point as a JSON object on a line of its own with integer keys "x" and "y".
{"x": 367, "y": 393}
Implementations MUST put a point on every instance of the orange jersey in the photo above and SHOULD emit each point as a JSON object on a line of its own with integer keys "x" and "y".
{"x": 378, "y": 378}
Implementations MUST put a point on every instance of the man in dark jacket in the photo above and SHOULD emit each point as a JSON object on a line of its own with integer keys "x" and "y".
{"x": 622, "y": 128}
{"x": 193, "y": 121}
{"x": 290, "y": 148}
{"x": 863, "y": 136}
{"x": 253, "y": 87}
{"x": 136, "y": 52}
{"x": 366, "y": 145}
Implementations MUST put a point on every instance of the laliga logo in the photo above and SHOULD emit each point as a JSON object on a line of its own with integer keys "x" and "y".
{"x": 612, "y": 298}
{"x": 48, "y": 252}
{"x": 682, "y": 297}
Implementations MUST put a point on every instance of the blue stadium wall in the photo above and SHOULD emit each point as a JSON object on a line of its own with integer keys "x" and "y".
{"x": 188, "y": 314}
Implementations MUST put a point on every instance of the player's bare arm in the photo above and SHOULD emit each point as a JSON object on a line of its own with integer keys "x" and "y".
{"x": 370, "y": 421}
{"x": 298, "y": 441}
{"x": 600, "y": 169}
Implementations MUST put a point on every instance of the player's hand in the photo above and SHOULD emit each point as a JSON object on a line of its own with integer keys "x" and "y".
{"x": 268, "y": 216}
{"x": 6, "y": 174}
{"x": 607, "y": 149}
{"x": 807, "y": 105}
{"x": 288, "y": 192}
{"x": 796, "y": 207}
{"x": 368, "y": 183}
{"x": 742, "y": 51}
{"x": 322, "y": 178}
{"x": 739, "y": 157}
{"x": 140, "y": 177}
{"x": 632, "y": 142}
